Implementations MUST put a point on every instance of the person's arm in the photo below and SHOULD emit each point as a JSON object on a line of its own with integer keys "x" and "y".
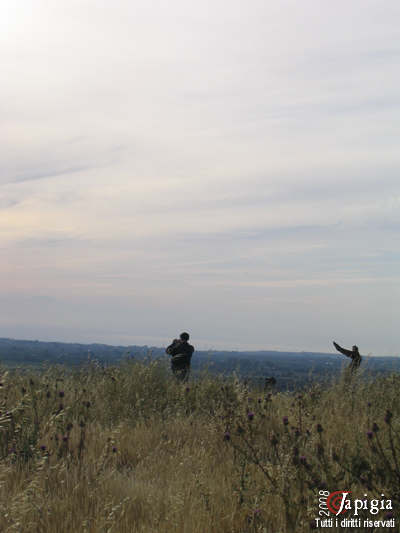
{"x": 348, "y": 353}
{"x": 171, "y": 348}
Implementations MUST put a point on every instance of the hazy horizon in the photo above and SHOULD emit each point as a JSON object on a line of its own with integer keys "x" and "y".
{"x": 200, "y": 345}
{"x": 223, "y": 168}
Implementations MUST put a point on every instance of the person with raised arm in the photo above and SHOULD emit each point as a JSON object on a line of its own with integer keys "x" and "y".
{"x": 354, "y": 354}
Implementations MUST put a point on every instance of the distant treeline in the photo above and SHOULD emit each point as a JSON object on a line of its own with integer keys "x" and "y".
{"x": 291, "y": 369}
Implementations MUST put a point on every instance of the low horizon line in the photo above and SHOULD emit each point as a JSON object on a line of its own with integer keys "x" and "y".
{"x": 208, "y": 350}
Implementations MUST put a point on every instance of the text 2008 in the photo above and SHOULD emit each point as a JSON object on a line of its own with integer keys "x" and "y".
{"x": 323, "y": 508}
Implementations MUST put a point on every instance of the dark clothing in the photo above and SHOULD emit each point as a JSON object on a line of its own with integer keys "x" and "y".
{"x": 179, "y": 347}
{"x": 354, "y": 355}
{"x": 181, "y": 354}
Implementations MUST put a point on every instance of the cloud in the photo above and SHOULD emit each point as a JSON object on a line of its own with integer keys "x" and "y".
{"x": 221, "y": 165}
{"x": 6, "y": 203}
{"x": 38, "y": 175}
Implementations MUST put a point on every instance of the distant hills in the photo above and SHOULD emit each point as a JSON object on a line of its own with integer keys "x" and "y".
{"x": 291, "y": 369}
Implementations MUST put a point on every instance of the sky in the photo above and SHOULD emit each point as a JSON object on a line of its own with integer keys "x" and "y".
{"x": 228, "y": 168}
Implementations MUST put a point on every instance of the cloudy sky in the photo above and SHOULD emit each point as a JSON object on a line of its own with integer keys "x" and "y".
{"x": 229, "y": 168}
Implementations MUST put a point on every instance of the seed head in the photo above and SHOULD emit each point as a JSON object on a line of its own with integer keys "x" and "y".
{"x": 388, "y": 417}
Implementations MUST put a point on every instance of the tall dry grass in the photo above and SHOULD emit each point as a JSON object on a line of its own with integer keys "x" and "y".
{"x": 127, "y": 449}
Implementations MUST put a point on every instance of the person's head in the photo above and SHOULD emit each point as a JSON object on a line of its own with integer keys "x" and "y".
{"x": 184, "y": 336}
{"x": 355, "y": 348}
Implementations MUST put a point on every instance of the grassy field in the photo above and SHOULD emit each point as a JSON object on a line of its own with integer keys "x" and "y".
{"x": 127, "y": 449}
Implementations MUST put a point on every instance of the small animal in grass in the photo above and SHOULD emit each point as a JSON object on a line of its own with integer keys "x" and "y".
{"x": 269, "y": 382}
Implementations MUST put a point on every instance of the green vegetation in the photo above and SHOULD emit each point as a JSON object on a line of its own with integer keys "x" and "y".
{"x": 126, "y": 449}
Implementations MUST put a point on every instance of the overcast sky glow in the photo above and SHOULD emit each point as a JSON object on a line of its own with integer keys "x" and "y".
{"x": 222, "y": 167}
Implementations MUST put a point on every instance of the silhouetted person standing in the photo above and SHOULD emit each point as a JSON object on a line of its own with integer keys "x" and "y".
{"x": 181, "y": 354}
{"x": 353, "y": 354}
